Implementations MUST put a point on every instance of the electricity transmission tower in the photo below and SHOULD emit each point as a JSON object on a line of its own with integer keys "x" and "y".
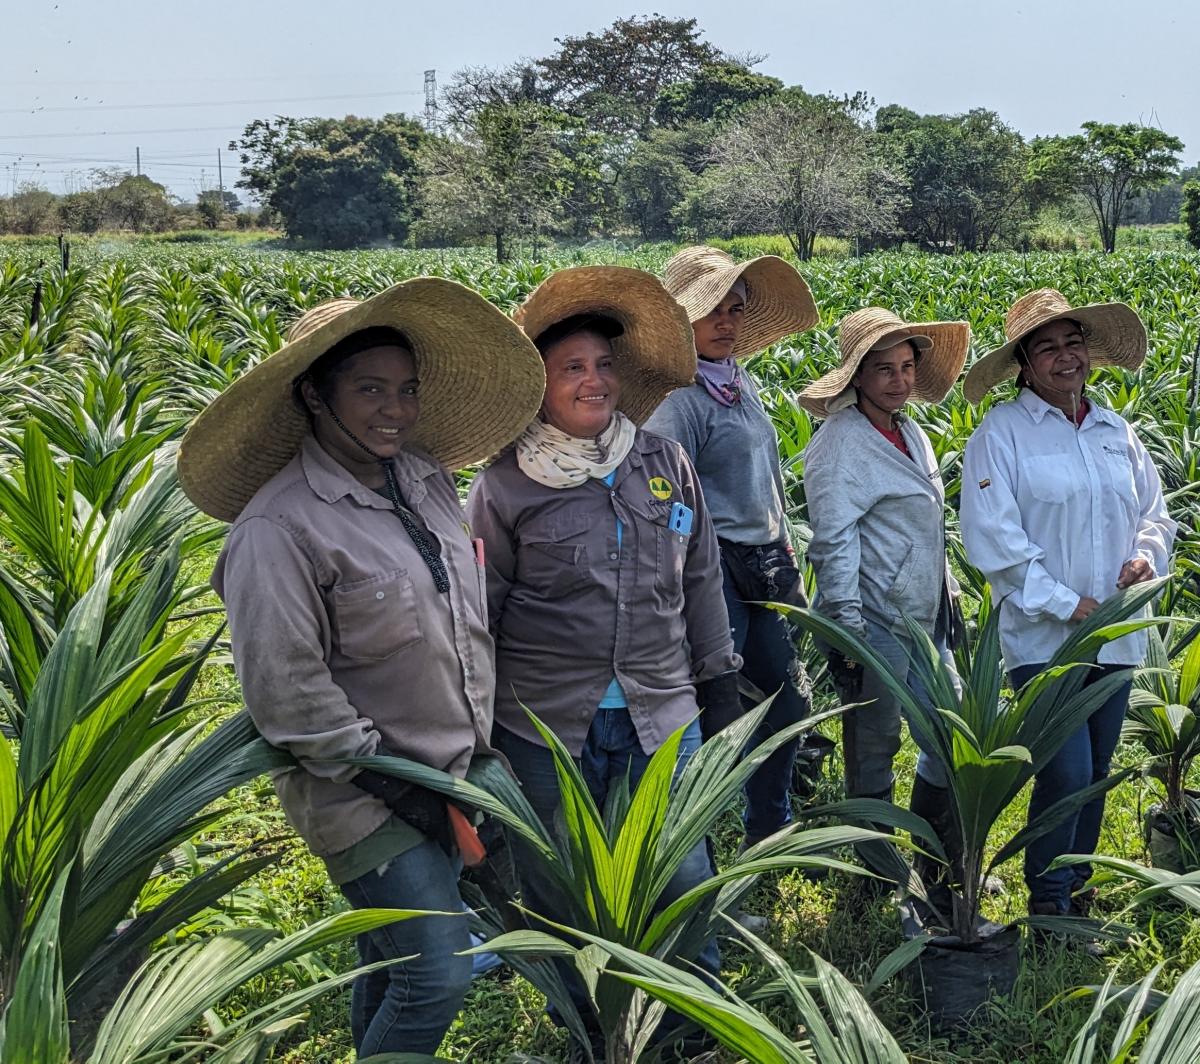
{"x": 431, "y": 107}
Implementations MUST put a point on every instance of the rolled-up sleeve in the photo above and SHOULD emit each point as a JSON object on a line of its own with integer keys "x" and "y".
{"x": 280, "y": 630}
{"x": 704, "y": 612}
{"x": 1155, "y": 531}
{"x": 994, "y": 537}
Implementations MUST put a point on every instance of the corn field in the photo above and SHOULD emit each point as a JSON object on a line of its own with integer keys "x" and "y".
{"x": 124, "y": 851}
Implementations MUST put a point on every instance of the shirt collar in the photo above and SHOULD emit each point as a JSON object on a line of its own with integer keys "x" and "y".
{"x": 331, "y": 481}
{"x": 1037, "y": 408}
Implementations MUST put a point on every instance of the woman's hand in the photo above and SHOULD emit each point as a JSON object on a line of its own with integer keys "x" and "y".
{"x": 1087, "y": 606}
{"x": 1135, "y": 571}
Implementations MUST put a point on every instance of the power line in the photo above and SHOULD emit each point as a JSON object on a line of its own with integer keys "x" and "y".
{"x": 205, "y": 103}
{"x": 115, "y": 133}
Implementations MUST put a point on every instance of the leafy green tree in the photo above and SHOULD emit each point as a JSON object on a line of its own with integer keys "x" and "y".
{"x": 1189, "y": 213}
{"x": 800, "y": 165}
{"x": 31, "y": 209}
{"x": 82, "y": 212}
{"x": 335, "y": 182}
{"x": 965, "y": 176}
{"x": 613, "y": 78}
{"x": 135, "y": 202}
{"x": 713, "y": 93}
{"x": 661, "y": 173}
{"x": 1107, "y": 164}
{"x": 507, "y": 175}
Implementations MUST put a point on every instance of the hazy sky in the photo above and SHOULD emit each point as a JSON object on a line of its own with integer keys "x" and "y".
{"x": 84, "y": 83}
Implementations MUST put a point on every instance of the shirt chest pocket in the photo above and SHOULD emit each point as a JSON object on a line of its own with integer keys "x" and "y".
{"x": 1053, "y": 478}
{"x": 553, "y": 560}
{"x": 669, "y": 547}
{"x": 375, "y": 618}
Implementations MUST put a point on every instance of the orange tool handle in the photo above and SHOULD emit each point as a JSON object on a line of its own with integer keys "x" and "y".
{"x": 466, "y": 838}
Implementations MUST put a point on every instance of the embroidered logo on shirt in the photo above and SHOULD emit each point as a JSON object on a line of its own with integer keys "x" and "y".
{"x": 660, "y": 488}
{"x": 985, "y": 483}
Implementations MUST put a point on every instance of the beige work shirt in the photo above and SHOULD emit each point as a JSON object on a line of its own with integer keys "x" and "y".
{"x": 570, "y": 609}
{"x": 343, "y": 644}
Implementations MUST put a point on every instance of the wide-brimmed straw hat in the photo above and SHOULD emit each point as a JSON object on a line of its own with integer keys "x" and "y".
{"x": 481, "y": 384}
{"x": 655, "y": 352}
{"x": 943, "y": 345}
{"x": 1114, "y": 333}
{"x": 778, "y": 301}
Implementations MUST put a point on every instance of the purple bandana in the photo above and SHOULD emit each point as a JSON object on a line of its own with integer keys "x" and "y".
{"x": 722, "y": 379}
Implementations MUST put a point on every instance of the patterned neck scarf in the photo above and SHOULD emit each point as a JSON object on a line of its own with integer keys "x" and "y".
{"x": 551, "y": 457}
{"x": 722, "y": 379}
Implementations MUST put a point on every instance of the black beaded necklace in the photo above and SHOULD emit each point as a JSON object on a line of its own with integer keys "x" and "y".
{"x": 426, "y": 545}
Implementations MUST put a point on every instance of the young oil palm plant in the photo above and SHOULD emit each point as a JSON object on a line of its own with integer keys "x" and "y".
{"x": 611, "y": 869}
{"x": 1164, "y": 717}
{"x": 991, "y": 745}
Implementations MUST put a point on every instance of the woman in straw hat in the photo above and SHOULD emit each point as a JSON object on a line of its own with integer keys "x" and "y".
{"x": 350, "y": 580}
{"x": 876, "y": 506}
{"x": 736, "y": 310}
{"x": 602, "y": 563}
{"x": 1061, "y": 506}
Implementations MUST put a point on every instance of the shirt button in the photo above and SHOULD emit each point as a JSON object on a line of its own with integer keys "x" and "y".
{"x": 379, "y": 594}
{"x": 622, "y": 605}
{"x": 612, "y": 494}
{"x": 613, "y": 556}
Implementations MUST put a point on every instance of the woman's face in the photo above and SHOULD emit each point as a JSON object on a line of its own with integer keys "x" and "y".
{"x": 582, "y": 389}
{"x": 717, "y": 332}
{"x": 886, "y": 378}
{"x": 374, "y": 394}
{"x": 1059, "y": 361}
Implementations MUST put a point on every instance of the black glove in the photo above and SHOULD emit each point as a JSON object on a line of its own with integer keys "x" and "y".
{"x": 720, "y": 702}
{"x": 957, "y": 636}
{"x": 418, "y": 806}
{"x": 781, "y": 575}
{"x": 847, "y": 676}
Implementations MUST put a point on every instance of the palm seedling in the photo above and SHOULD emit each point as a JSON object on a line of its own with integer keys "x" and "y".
{"x": 1163, "y": 717}
{"x": 612, "y": 867}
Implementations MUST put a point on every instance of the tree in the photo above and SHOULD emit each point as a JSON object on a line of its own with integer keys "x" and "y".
{"x": 82, "y": 212}
{"x": 336, "y": 182}
{"x": 716, "y": 91}
{"x": 508, "y": 175}
{"x": 30, "y": 208}
{"x": 132, "y": 202}
{"x": 965, "y": 176}
{"x": 800, "y": 165}
{"x": 1189, "y": 213}
{"x": 213, "y": 204}
{"x": 1107, "y": 164}
{"x": 613, "y": 79}
{"x": 661, "y": 173}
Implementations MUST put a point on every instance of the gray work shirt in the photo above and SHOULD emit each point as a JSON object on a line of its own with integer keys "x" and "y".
{"x": 570, "y": 609}
{"x": 736, "y": 455}
{"x": 343, "y": 644}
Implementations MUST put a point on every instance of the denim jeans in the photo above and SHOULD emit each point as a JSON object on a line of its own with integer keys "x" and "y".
{"x": 1083, "y": 759}
{"x": 610, "y": 751}
{"x": 871, "y": 733}
{"x": 409, "y": 1006}
{"x": 769, "y": 661}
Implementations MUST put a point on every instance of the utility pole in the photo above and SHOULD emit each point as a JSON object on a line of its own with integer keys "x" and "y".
{"x": 220, "y": 184}
{"x": 431, "y": 112}
{"x": 139, "y": 161}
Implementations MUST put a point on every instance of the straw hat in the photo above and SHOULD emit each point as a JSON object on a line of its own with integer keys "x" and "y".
{"x": 1114, "y": 333}
{"x": 481, "y": 384}
{"x": 943, "y": 347}
{"x": 778, "y": 302}
{"x": 655, "y": 352}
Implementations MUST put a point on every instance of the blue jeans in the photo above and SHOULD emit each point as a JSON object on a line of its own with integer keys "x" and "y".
{"x": 409, "y": 1007}
{"x": 871, "y": 733}
{"x": 769, "y": 661}
{"x": 1083, "y": 759}
{"x": 610, "y": 751}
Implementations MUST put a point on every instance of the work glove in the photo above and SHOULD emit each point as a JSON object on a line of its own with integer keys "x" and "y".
{"x": 847, "y": 676}
{"x": 778, "y": 566}
{"x": 418, "y": 806}
{"x": 720, "y": 703}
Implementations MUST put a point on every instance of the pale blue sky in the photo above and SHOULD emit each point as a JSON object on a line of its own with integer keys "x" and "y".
{"x": 85, "y": 82}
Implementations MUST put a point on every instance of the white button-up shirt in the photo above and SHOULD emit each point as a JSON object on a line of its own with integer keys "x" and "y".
{"x": 1051, "y": 513}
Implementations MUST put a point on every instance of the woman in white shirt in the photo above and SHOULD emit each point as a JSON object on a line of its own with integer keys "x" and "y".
{"x": 1061, "y": 506}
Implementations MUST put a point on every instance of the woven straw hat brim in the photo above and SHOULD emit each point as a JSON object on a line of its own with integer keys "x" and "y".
{"x": 1115, "y": 337}
{"x": 655, "y": 354}
{"x": 481, "y": 384}
{"x": 937, "y": 369}
{"x": 779, "y": 302}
